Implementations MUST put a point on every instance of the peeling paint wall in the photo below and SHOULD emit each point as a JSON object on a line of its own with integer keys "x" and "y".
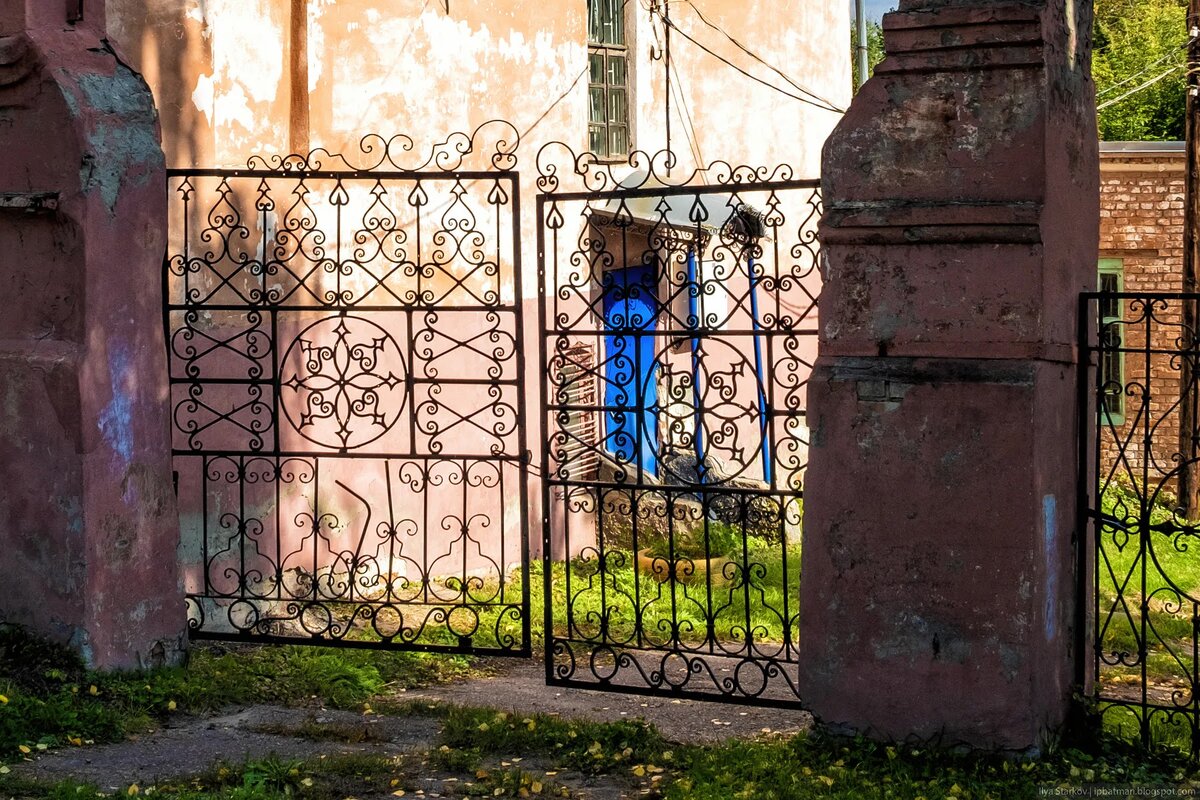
{"x": 227, "y": 75}
{"x": 221, "y": 71}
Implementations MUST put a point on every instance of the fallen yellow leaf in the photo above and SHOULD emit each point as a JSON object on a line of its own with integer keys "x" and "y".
{"x": 171, "y": 705}
{"x": 398, "y": 793}
{"x": 133, "y": 790}
{"x": 24, "y": 748}
{"x": 93, "y": 691}
{"x": 3, "y": 700}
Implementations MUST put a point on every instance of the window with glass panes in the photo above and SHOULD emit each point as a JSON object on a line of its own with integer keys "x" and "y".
{"x": 608, "y": 79}
{"x": 1112, "y": 360}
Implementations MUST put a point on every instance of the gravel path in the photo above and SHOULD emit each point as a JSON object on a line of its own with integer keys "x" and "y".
{"x": 193, "y": 745}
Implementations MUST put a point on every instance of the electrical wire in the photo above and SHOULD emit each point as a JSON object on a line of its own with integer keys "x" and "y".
{"x": 751, "y": 76}
{"x": 755, "y": 56}
{"x": 552, "y": 106}
{"x": 1145, "y": 85}
{"x": 1132, "y": 78}
{"x": 686, "y": 117}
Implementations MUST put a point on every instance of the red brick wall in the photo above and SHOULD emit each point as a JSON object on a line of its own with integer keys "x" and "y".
{"x": 1141, "y": 223}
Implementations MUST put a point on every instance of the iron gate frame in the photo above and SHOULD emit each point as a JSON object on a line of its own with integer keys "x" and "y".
{"x": 601, "y": 184}
{"x": 1144, "y": 514}
{"x": 383, "y": 165}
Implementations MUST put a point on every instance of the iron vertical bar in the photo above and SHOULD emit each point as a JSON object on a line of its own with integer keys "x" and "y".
{"x": 763, "y": 412}
{"x": 666, "y": 12}
{"x": 694, "y": 323}
{"x": 389, "y": 591}
{"x": 522, "y": 414}
{"x": 1144, "y": 525}
{"x": 1098, "y": 389}
{"x": 204, "y": 463}
{"x": 466, "y": 541}
{"x": 1189, "y": 428}
{"x": 1087, "y": 425}
{"x": 241, "y": 479}
{"x": 316, "y": 547}
{"x": 769, "y": 387}
{"x": 544, "y": 360}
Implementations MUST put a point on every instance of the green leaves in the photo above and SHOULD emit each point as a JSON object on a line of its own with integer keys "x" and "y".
{"x": 1135, "y": 42}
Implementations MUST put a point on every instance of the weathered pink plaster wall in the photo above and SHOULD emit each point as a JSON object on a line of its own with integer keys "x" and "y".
{"x": 87, "y": 518}
{"x": 232, "y": 82}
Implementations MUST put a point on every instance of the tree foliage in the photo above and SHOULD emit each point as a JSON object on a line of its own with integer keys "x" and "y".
{"x": 874, "y": 50}
{"x": 1135, "y": 42}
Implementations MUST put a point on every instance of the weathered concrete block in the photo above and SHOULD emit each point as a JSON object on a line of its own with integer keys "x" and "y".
{"x": 87, "y": 516}
{"x": 961, "y": 194}
{"x": 936, "y": 592}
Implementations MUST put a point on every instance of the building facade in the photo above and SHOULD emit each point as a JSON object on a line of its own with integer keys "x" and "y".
{"x": 1142, "y": 191}
{"x": 356, "y": 354}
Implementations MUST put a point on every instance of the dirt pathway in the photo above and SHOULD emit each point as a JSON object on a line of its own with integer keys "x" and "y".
{"x": 191, "y": 745}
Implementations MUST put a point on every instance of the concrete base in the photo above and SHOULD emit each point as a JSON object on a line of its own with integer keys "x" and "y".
{"x": 936, "y": 605}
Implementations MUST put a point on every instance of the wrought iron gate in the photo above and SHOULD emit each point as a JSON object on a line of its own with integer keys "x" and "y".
{"x": 347, "y": 355}
{"x": 679, "y": 324}
{"x": 1143, "y": 631}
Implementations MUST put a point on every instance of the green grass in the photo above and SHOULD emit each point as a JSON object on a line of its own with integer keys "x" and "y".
{"x": 592, "y": 747}
{"x": 616, "y": 592}
{"x": 271, "y": 778}
{"x": 622, "y": 597}
{"x": 491, "y": 751}
{"x": 822, "y": 766}
{"x": 1146, "y": 582}
{"x": 47, "y": 697}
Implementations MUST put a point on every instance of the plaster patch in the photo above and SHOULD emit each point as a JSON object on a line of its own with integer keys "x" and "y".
{"x": 116, "y": 421}
{"x": 202, "y": 97}
{"x": 72, "y": 508}
{"x": 124, "y": 141}
{"x": 1050, "y": 532}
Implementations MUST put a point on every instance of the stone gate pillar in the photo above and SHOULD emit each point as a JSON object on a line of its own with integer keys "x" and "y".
{"x": 88, "y": 527}
{"x": 961, "y": 224}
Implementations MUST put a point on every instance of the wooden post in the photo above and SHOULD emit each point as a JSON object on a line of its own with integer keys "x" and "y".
{"x": 1189, "y": 443}
{"x": 298, "y": 128}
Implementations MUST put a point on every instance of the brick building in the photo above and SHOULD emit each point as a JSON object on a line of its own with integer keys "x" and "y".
{"x": 1141, "y": 250}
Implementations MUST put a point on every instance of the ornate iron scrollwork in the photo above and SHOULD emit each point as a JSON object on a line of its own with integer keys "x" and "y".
{"x": 678, "y": 315}
{"x": 347, "y": 363}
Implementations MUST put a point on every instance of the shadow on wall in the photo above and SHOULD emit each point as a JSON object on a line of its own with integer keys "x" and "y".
{"x": 164, "y": 40}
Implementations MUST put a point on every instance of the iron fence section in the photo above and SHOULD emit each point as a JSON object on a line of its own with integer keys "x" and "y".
{"x": 1138, "y": 394}
{"x": 678, "y": 317}
{"x": 346, "y": 366}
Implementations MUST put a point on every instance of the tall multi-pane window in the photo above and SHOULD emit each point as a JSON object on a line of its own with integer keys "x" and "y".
{"x": 608, "y": 79}
{"x": 1112, "y": 361}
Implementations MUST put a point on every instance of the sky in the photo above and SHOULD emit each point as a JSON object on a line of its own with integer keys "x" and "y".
{"x": 876, "y": 8}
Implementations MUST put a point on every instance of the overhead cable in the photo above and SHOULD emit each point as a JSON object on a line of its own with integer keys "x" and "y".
{"x": 755, "y": 56}
{"x": 1135, "y": 76}
{"x": 822, "y": 105}
{"x": 1145, "y": 85}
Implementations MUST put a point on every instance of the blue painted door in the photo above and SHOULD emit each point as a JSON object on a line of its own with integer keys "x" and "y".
{"x": 630, "y": 370}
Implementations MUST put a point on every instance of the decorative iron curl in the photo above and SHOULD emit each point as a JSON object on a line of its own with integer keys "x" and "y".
{"x": 495, "y": 141}
{"x": 560, "y": 168}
